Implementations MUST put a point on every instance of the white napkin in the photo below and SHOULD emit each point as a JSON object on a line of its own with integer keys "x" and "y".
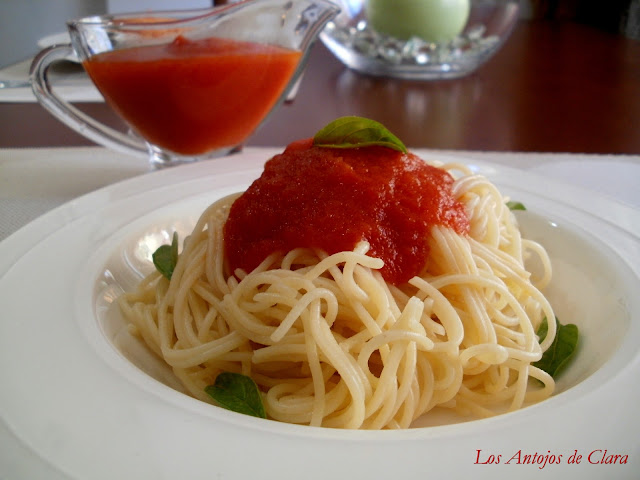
{"x": 68, "y": 79}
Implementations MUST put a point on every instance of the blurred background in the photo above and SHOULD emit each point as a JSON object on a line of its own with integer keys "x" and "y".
{"x": 24, "y": 22}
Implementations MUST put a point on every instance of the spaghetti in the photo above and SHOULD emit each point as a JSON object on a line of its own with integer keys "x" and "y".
{"x": 331, "y": 343}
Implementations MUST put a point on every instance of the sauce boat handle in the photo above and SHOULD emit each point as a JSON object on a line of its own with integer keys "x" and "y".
{"x": 70, "y": 115}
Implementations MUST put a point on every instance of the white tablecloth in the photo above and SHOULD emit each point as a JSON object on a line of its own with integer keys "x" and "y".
{"x": 34, "y": 181}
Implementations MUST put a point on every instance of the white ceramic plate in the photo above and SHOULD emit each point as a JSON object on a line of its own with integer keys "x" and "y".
{"x": 73, "y": 406}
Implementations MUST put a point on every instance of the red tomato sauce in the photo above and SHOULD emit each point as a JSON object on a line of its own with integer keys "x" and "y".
{"x": 194, "y": 96}
{"x": 331, "y": 199}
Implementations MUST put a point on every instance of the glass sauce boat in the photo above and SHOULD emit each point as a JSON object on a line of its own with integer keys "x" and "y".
{"x": 191, "y": 85}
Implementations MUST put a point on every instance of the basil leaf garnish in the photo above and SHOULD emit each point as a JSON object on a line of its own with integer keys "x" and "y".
{"x": 351, "y": 132}
{"x": 165, "y": 257}
{"x": 557, "y": 356}
{"x": 515, "y": 206}
{"x": 543, "y": 329}
{"x": 238, "y": 393}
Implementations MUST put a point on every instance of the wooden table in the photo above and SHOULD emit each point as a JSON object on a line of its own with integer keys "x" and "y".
{"x": 553, "y": 87}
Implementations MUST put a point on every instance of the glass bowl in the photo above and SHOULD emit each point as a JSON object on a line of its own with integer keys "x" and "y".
{"x": 419, "y": 39}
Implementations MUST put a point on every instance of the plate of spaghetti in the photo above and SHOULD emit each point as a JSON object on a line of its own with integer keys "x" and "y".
{"x": 340, "y": 307}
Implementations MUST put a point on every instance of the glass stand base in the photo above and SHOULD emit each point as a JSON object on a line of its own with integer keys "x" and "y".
{"x": 160, "y": 159}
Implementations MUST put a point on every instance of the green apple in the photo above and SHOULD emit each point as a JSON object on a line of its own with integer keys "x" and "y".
{"x": 432, "y": 20}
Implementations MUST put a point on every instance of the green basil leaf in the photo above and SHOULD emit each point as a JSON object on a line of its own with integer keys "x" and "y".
{"x": 561, "y": 351}
{"x": 238, "y": 393}
{"x": 515, "y": 206}
{"x": 165, "y": 257}
{"x": 543, "y": 329}
{"x": 351, "y": 132}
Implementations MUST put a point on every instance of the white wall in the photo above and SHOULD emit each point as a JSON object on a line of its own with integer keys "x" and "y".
{"x": 24, "y": 22}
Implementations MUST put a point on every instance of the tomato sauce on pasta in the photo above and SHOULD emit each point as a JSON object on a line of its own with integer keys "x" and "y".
{"x": 328, "y": 198}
